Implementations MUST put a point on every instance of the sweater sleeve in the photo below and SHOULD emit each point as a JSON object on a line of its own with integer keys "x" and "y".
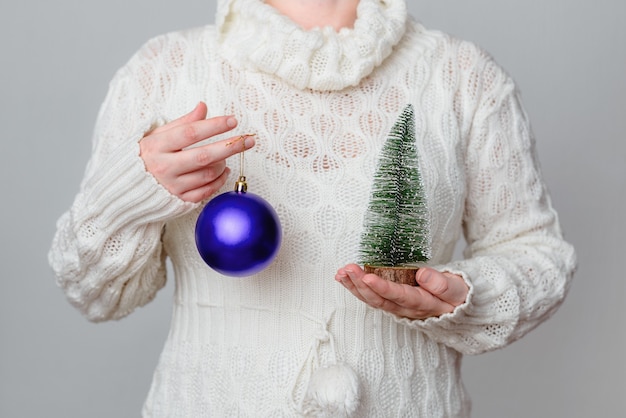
{"x": 517, "y": 265}
{"x": 107, "y": 252}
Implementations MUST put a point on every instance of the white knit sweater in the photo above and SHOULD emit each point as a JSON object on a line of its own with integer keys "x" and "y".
{"x": 321, "y": 104}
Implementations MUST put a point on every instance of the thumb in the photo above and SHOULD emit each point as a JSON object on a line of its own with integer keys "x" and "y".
{"x": 446, "y": 286}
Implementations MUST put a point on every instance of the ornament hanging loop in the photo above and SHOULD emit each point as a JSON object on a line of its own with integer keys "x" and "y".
{"x": 241, "y": 186}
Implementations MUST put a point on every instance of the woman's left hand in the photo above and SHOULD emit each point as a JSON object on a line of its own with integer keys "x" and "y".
{"x": 438, "y": 293}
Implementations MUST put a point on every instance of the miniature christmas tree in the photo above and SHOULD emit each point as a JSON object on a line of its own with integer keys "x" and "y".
{"x": 396, "y": 225}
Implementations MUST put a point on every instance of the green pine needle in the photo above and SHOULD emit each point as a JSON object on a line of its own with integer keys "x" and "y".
{"x": 396, "y": 224}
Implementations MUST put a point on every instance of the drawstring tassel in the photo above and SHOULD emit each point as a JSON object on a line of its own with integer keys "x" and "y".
{"x": 333, "y": 391}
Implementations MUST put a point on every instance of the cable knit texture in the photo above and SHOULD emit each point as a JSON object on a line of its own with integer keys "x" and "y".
{"x": 260, "y": 38}
{"x": 321, "y": 104}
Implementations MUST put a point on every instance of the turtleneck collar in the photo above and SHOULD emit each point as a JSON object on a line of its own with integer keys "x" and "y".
{"x": 255, "y": 36}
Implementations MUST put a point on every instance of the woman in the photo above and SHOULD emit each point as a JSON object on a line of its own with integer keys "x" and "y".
{"x": 320, "y": 84}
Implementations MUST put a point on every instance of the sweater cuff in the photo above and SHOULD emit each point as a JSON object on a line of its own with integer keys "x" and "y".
{"x": 486, "y": 318}
{"x": 125, "y": 194}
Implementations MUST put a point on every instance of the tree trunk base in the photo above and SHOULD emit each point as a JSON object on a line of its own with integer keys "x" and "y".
{"x": 403, "y": 275}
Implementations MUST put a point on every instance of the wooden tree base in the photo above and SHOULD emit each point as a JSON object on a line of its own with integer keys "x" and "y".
{"x": 403, "y": 275}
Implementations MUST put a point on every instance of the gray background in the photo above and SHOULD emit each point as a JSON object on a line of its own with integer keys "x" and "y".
{"x": 569, "y": 58}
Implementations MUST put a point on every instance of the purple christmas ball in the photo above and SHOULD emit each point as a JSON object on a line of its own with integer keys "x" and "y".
{"x": 238, "y": 234}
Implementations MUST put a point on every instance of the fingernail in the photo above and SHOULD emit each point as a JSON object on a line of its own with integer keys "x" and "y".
{"x": 423, "y": 276}
{"x": 231, "y": 122}
{"x": 248, "y": 141}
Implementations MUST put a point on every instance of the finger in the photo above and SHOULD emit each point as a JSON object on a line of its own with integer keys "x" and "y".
{"x": 343, "y": 278}
{"x": 198, "y": 113}
{"x": 184, "y": 135}
{"x": 399, "y": 299}
{"x": 206, "y": 191}
{"x": 352, "y": 268}
{"x": 366, "y": 286}
{"x": 199, "y": 157}
{"x": 197, "y": 179}
{"x": 405, "y": 300}
{"x": 359, "y": 284}
{"x": 446, "y": 286}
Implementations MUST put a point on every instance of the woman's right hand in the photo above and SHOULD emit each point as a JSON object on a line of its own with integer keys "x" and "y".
{"x": 192, "y": 174}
